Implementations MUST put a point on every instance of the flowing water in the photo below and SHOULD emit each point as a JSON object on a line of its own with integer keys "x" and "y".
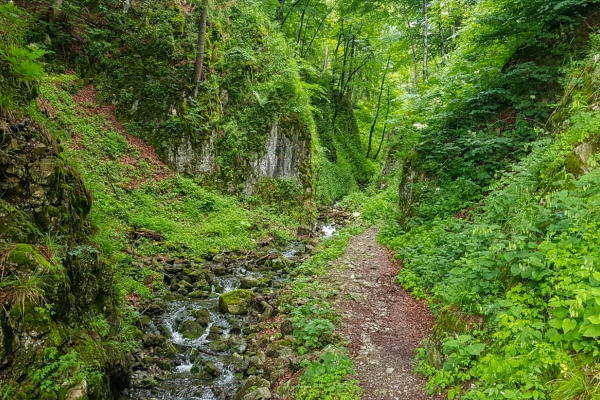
{"x": 182, "y": 382}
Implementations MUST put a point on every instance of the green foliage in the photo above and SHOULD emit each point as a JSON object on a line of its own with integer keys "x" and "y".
{"x": 60, "y": 372}
{"x": 7, "y": 390}
{"x": 20, "y": 291}
{"x": 335, "y": 181}
{"x": 326, "y": 378}
{"x": 312, "y": 321}
{"x": 192, "y": 219}
{"x": 143, "y": 61}
{"x": 19, "y": 64}
{"x": 524, "y": 260}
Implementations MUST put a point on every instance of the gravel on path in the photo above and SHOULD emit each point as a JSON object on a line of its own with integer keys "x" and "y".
{"x": 383, "y": 323}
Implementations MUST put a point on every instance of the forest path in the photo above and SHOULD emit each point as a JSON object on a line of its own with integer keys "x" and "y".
{"x": 382, "y": 321}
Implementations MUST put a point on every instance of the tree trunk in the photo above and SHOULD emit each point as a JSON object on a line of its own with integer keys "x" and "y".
{"x": 378, "y": 106}
{"x": 385, "y": 124}
{"x": 55, "y": 11}
{"x": 292, "y": 7}
{"x": 305, "y": 52}
{"x": 326, "y": 59}
{"x": 443, "y": 44}
{"x": 455, "y": 29}
{"x": 414, "y": 52}
{"x": 302, "y": 21}
{"x": 279, "y": 15}
{"x": 201, "y": 43}
{"x": 425, "y": 43}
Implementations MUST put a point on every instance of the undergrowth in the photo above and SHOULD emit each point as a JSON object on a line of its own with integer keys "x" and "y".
{"x": 525, "y": 262}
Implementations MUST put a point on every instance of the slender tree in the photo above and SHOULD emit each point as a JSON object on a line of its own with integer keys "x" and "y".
{"x": 198, "y": 70}
{"x": 442, "y": 44}
{"x": 378, "y": 106}
{"x": 425, "y": 43}
{"x": 280, "y": 9}
{"x": 385, "y": 124}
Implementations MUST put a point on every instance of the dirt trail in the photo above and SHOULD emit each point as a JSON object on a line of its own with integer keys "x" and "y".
{"x": 382, "y": 321}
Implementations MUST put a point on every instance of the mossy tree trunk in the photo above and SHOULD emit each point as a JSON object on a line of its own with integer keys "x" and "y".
{"x": 201, "y": 43}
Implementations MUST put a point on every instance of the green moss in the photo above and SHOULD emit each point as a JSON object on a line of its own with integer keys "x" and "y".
{"x": 235, "y": 302}
{"x": 15, "y": 225}
{"x": 24, "y": 255}
{"x": 573, "y": 165}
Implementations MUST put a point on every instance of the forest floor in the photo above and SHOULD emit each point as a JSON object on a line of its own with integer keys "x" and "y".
{"x": 383, "y": 323}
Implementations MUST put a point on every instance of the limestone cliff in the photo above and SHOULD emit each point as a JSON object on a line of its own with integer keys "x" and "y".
{"x": 286, "y": 154}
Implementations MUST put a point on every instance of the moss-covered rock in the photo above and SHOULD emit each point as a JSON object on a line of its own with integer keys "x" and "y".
{"x": 15, "y": 225}
{"x": 236, "y": 302}
{"x": 47, "y": 300}
{"x": 202, "y": 316}
{"x": 191, "y": 329}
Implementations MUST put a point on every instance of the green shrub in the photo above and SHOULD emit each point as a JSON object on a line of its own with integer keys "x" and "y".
{"x": 327, "y": 378}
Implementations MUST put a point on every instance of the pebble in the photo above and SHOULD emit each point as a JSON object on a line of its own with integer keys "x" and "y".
{"x": 389, "y": 371}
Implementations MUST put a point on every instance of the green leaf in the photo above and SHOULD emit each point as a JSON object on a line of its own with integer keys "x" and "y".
{"x": 592, "y": 331}
{"x": 475, "y": 349}
{"x": 568, "y": 325}
{"x": 594, "y": 319}
{"x": 555, "y": 323}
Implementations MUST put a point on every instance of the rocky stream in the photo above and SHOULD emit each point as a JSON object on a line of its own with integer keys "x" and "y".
{"x": 197, "y": 338}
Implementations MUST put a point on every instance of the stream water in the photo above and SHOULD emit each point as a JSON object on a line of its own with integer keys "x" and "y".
{"x": 182, "y": 382}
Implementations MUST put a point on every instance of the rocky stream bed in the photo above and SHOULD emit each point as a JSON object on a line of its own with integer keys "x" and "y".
{"x": 198, "y": 337}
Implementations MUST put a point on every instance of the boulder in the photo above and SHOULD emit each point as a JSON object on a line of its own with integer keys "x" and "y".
{"x": 281, "y": 348}
{"x": 262, "y": 393}
{"x": 78, "y": 392}
{"x": 212, "y": 369}
{"x": 218, "y": 258}
{"x": 237, "y": 344}
{"x": 202, "y": 316}
{"x": 249, "y": 282}
{"x": 240, "y": 363}
{"x": 287, "y": 327}
{"x": 165, "y": 364}
{"x": 253, "y": 382}
{"x": 190, "y": 329}
{"x": 218, "y": 345}
{"x": 236, "y": 302}
{"x": 153, "y": 340}
{"x": 304, "y": 231}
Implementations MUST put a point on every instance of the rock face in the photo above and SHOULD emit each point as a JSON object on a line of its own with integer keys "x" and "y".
{"x": 287, "y": 148}
{"x": 42, "y": 201}
{"x": 286, "y": 155}
{"x": 236, "y": 302}
{"x": 192, "y": 157}
{"x": 577, "y": 163}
